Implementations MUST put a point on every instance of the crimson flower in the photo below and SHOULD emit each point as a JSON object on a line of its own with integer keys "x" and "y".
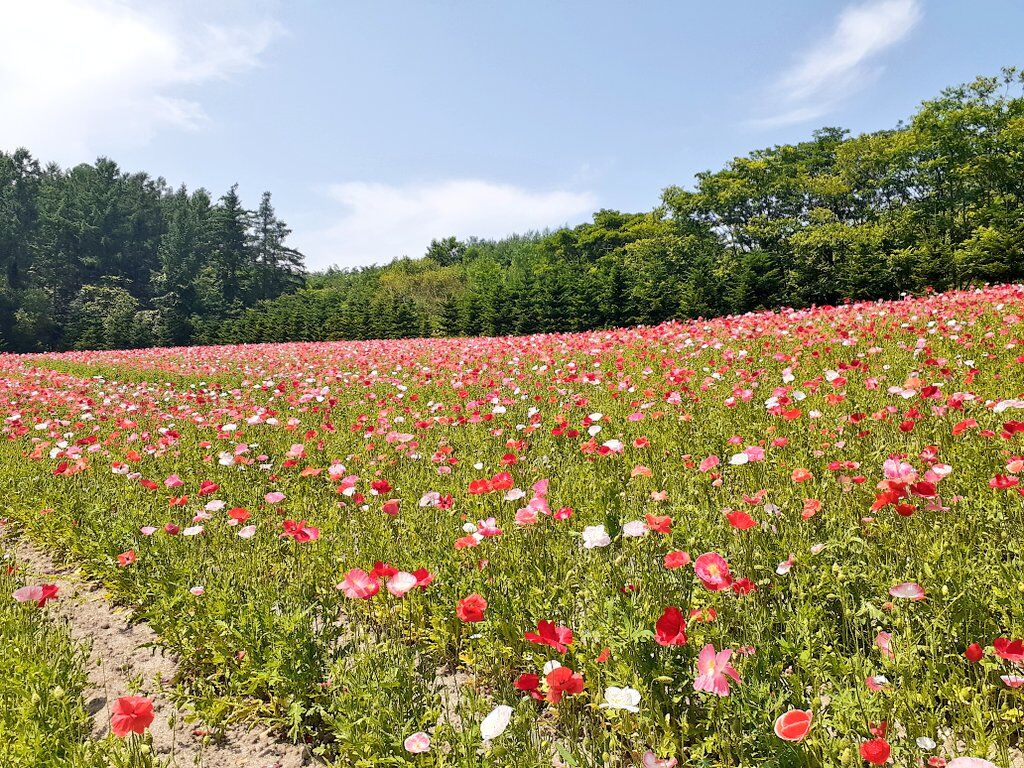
{"x": 670, "y": 629}
{"x": 875, "y": 751}
{"x": 741, "y": 521}
{"x": 1011, "y": 650}
{"x": 563, "y": 681}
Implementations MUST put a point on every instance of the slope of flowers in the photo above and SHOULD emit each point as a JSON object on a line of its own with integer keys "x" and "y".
{"x": 778, "y": 539}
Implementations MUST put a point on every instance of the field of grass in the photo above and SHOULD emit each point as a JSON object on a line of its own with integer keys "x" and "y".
{"x": 636, "y": 547}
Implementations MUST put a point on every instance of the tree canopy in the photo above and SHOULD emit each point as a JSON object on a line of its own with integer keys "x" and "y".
{"x": 94, "y": 257}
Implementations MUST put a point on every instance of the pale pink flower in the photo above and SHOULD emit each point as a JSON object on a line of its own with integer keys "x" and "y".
{"x": 401, "y": 583}
{"x": 651, "y": 760}
{"x": 417, "y": 743}
{"x": 358, "y": 585}
{"x": 882, "y": 640}
{"x": 908, "y": 590}
{"x": 714, "y": 671}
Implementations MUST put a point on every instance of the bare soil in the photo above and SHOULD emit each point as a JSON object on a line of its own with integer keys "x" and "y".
{"x": 123, "y": 655}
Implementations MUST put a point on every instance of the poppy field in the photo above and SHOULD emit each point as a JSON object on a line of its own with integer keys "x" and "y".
{"x": 775, "y": 539}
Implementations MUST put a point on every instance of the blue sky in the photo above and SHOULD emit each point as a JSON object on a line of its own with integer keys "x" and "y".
{"x": 378, "y": 125}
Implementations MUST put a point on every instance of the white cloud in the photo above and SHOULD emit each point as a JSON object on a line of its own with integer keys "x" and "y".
{"x": 80, "y": 77}
{"x": 842, "y": 63}
{"x": 381, "y": 222}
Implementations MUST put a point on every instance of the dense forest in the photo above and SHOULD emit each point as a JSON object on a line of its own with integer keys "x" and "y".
{"x": 96, "y": 258}
{"x": 93, "y": 257}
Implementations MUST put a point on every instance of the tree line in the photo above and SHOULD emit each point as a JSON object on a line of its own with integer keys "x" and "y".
{"x": 93, "y": 257}
{"x": 933, "y": 203}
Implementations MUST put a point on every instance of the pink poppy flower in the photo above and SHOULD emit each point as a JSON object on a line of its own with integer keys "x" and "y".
{"x": 417, "y": 744}
{"x": 877, "y": 683}
{"x": 38, "y": 594}
{"x": 714, "y": 671}
{"x": 651, "y": 760}
{"x": 399, "y": 584}
{"x": 908, "y": 590}
{"x": 130, "y": 714}
{"x": 882, "y": 640}
{"x": 713, "y": 571}
{"x": 709, "y": 463}
{"x": 358, "y": 585}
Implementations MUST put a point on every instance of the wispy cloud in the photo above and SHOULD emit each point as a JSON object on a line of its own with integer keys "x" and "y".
{"x": 379, "y": 222}
{"x": 78, "y": 77}
{"x": 842, "y": 63}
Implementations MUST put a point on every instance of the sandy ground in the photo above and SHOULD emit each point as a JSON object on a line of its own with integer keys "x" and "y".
{"x": 123, "y": 654}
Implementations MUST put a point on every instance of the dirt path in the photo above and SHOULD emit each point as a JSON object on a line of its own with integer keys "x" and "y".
{"x": 122, "y": 654}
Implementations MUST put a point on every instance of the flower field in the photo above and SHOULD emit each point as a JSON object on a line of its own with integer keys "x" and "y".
{"x": 779, "y": 539}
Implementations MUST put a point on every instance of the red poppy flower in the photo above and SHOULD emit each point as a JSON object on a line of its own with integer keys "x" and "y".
{"x": 743, "y": 586}
{"x": 677, "y": 559}
{"x": 563, "y": 681}
{"x": 659, "y": 523}
{"x": 527, "y": 682}
{"x": 131, "y": 714}
{"x": 875, "y": 751}
{"x": 470, "y": 609}
{"x": 974, "y": 653}
{"x": 1011, "y": 650}
{"x": 741, "y": 520}
{"x": 547, "y": 633}
{"x": 670, "y": 629}
{"x": 301, "y": 532}
{"x": 793, "y": 725}
{"x": 239, "y": 513}
{"x": 423, "y": 577}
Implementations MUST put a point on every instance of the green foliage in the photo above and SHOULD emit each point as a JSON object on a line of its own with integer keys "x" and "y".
{"x": 95, "y": 258}
{"x": 43, "y": 721}
{"x": 933, "y": 204}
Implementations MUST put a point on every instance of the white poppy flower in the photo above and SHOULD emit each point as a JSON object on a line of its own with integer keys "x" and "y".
{"x": 595, "y": 536}
{"x": 496, "y": 722}
{"x": 634, "y": 529}
{"x": 621, "y": 698}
